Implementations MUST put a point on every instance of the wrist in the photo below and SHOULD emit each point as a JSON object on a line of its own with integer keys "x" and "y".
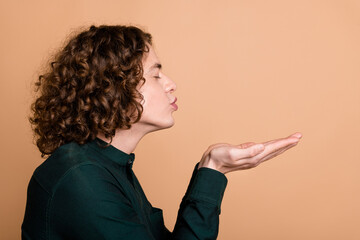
{"x": 209, "y": 163}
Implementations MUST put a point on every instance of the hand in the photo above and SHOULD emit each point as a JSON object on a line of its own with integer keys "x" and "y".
{"x": 225, "y": 157}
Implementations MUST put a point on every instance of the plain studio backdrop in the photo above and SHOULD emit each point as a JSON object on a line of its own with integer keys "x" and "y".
{"x": 248, "y": 70}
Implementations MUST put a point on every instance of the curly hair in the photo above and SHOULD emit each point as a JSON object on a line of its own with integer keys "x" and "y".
{"x": 89, "y": 87}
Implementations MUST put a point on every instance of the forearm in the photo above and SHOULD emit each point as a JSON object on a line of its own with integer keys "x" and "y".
{"x": 198, "y": 216}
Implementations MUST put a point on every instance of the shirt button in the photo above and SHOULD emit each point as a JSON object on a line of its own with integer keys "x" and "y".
{"x": 129, "y": 161}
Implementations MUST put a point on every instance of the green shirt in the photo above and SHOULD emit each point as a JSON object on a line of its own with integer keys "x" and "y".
{"x": 91, "y": 192}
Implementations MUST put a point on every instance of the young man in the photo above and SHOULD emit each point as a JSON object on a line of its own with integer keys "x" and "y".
{"x": 102, "y": 93}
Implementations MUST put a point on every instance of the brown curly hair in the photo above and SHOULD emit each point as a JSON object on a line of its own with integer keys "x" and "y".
{"x": 90, "y": 87}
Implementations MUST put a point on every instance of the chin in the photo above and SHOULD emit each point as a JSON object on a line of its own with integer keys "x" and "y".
{"x": 165, "y": 125}
{"x": 160, "y": 125}
{"x": 168, "y": 125}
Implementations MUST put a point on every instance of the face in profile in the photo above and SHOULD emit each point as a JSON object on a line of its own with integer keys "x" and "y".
{"x": 157, "y": 92}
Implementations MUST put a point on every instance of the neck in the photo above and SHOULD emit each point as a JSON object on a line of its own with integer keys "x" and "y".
{"x": 126, "y": 140}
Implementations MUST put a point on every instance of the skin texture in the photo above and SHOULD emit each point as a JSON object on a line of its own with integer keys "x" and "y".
{"x": 226, "y": 158}
{"x": 157, "y": 94}
{"x": 223, "y": 157}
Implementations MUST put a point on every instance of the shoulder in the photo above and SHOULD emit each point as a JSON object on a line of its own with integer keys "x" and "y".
{"x": 67, "y": 159}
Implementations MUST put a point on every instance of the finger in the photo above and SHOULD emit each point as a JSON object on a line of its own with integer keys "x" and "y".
{"x": 272, "y": 141}
{"x": 246, "y": 145}
{"x": 274, "y": 154}
{"x": 297, "y": 135}
{"x": 275, "y": 146}
{"x": 269, "y": 152}
{"x": 272, "y": 149}
{"x": 239, "y": 153}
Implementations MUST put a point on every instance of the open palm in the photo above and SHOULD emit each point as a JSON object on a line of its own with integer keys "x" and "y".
{"x": 226, "y": 157}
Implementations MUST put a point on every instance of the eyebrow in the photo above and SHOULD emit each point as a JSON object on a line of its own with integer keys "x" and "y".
{"x": 156, "y": 65}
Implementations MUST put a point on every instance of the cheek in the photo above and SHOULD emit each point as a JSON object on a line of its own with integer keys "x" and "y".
{"x": 154, "y": 96}
{"x": 154, "y": 102}
{"x": 151, "y": 99}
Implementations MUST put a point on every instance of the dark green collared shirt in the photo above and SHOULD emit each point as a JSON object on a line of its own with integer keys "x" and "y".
{"x": 90, "y": 192}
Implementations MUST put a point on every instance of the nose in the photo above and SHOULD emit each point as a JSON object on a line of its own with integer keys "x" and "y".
{"x": 170, "y": 85}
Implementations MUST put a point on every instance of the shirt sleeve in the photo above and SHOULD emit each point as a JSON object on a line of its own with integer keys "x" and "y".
{"x": 89, "y": 205}
{"x": 198, "y": 215}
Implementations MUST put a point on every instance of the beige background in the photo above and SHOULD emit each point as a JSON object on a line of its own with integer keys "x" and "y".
{"x": 249, "y": 70}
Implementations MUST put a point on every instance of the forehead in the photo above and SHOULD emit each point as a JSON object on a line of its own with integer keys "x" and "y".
{"x": 150, "y": 60}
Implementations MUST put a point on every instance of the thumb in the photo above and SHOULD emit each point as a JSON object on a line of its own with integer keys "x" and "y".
{"x": 256, "y": 149}
{"x": 251, "y": 151}
{"x": 246, "y": 145}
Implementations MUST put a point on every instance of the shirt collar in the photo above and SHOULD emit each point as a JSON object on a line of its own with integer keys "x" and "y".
{"x": 112, "y": 152}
